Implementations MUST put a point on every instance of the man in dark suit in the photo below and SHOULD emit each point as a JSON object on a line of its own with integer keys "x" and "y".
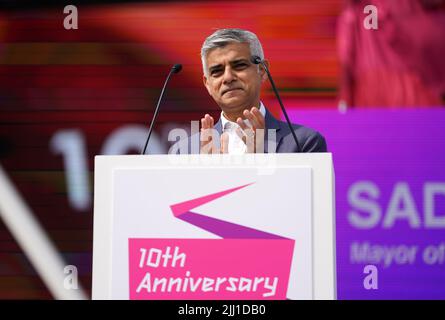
{"x": 234, "y": 82}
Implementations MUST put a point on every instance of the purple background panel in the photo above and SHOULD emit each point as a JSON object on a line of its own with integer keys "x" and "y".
{"x": 384, "y": 162}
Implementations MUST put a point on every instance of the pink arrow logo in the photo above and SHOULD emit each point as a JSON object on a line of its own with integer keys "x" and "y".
{"x": 219, "y": 227}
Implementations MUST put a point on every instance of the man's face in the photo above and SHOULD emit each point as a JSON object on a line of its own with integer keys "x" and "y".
{"x": 232, "y": 80}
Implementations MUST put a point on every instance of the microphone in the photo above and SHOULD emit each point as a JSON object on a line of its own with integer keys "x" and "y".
{"x": 175, "y": 69}
{"x": 257, "y": 60}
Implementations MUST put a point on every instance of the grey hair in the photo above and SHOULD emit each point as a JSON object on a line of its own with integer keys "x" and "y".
{"x": 222, "y": 37}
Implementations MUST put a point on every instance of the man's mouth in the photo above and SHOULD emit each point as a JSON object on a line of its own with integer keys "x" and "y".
{"x": 229, "y": 90}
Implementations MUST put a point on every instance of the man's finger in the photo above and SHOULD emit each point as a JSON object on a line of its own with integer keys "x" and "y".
{"x": 252, "y": 120}
{"x": 242, "y": 124}
{"x": 259, "y": 118}
{"x": 255, "y": 118}
{"x": 209, "y": 121}
{"x": 206, "y": 134}
{"x": 203, "y": 123}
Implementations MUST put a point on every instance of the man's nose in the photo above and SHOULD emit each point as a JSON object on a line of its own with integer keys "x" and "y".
{"x": 229, "y": 75}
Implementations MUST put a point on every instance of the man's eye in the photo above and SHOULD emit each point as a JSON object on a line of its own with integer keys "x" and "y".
{"x": 216, "y": 73}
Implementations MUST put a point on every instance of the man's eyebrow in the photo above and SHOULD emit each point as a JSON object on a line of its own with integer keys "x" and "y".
{"x": 219, "y": 66}
{"x": 239, "y": 60}
{"x": 214, "y": 67}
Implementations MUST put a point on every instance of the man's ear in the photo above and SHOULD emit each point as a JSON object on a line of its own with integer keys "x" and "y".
{"x": 262, "y": 71}
{"x": 206, "y": 84}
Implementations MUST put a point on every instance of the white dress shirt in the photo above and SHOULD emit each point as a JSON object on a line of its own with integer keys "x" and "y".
{"x": 236, "y": 144}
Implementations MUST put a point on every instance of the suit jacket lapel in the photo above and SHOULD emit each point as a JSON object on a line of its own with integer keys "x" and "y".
{"x": 218, "y": 126}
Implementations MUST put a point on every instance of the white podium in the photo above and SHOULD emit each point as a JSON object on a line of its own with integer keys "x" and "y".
{"x": 254, "y": 226}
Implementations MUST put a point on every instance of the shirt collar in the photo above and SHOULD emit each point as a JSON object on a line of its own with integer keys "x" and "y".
{"x": 225, "y": 121}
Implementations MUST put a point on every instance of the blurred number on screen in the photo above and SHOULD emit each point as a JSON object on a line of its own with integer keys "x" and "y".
{"x": 70, "y": 143}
